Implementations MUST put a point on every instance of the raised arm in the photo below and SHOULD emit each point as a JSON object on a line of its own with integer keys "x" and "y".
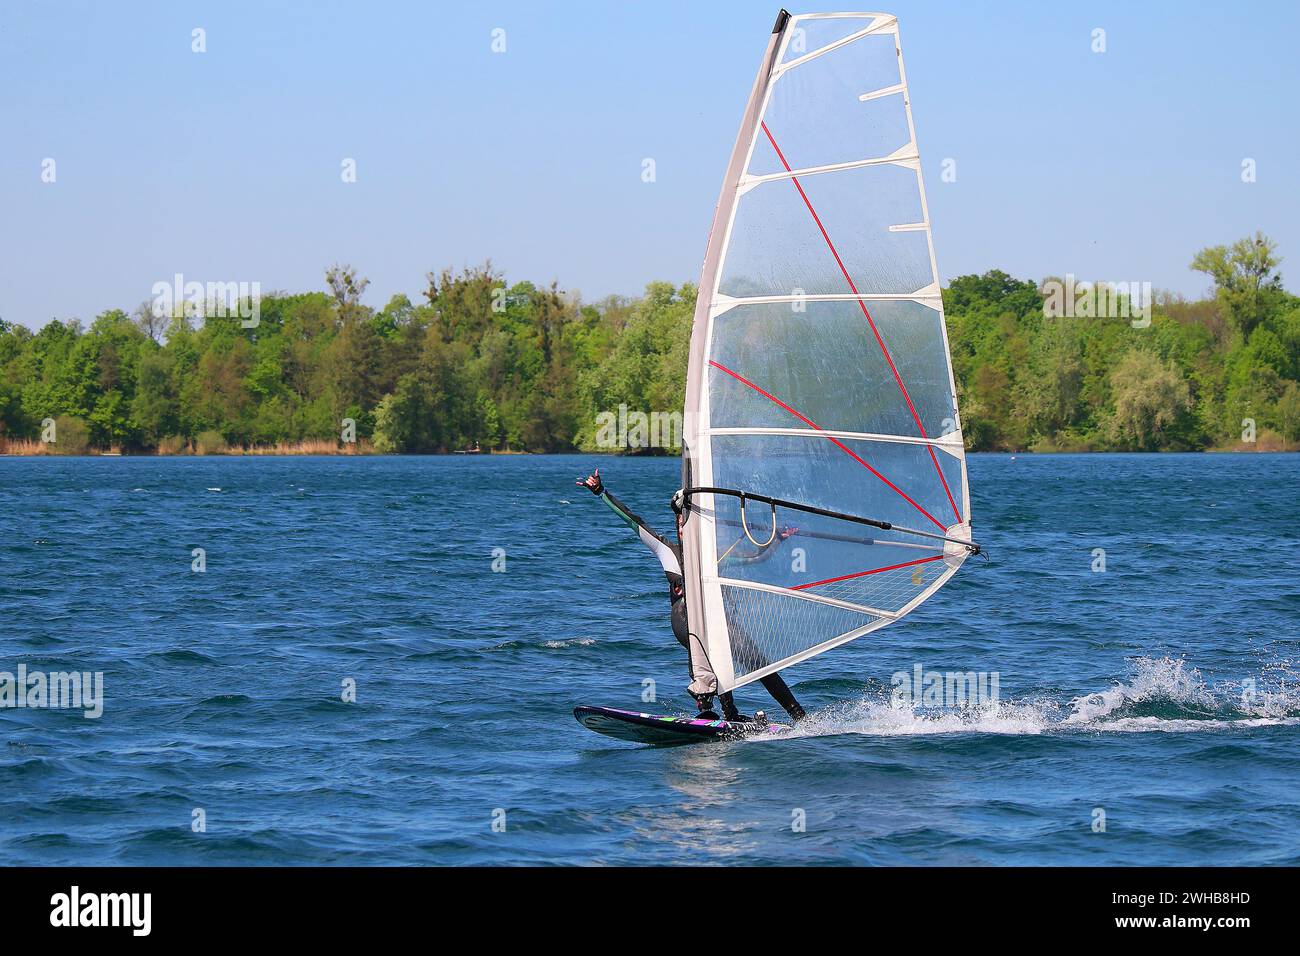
{"x": 649, "y": 537}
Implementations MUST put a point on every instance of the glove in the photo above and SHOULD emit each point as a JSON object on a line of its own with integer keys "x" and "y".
{"x": 593, "y": 483}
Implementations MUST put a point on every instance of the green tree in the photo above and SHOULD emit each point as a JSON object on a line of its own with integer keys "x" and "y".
{"x": 406, "y": 421}
{"x": 1149, "y": 397}
{"x": 646, "y": 368}
{"x": 1246, "y": 279}
{"x": 153, "y": 410}
{"x": 71, "y": 436}
{"x": 1288, "y": 412}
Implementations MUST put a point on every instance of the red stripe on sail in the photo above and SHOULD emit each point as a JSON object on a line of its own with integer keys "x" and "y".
{"x": 870, "y": 321}
{"x": 860, "y": 574}
{"x": 839, "y": 444}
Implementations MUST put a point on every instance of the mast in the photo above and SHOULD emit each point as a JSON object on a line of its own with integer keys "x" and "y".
{"x": 694, "y": 471}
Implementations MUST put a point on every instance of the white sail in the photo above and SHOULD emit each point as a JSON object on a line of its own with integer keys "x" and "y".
{"x": 819, "y": 369}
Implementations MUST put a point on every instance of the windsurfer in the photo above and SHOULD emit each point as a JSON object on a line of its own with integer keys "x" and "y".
{"x": 704, "y": 683}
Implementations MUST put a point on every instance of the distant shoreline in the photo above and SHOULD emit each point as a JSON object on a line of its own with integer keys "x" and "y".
{"x": 303, "y": 450}
{"x": 498, "y": 365}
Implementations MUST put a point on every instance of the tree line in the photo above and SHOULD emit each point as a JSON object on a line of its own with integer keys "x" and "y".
{"x": 530, "y": 369}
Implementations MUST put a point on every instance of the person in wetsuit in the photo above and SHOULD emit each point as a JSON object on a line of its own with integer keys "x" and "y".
{"x": 704, "y": 683}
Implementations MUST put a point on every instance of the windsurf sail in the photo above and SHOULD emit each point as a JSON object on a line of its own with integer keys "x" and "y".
{"x": 822, "y": 462}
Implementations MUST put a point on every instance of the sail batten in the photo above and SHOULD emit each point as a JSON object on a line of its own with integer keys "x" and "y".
{"x": 944, "y": 444}
{"x": 901, "y": 157}
{"x": 820, "y": 388}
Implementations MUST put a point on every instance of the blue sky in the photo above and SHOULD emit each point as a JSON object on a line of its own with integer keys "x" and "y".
{"x": 226, "y": 165}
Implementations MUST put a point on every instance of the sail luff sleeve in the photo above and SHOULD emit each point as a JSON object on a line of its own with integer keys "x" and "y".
{"x": 694, "y": 467}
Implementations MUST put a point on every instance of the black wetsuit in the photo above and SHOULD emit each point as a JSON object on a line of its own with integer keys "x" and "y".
{"x": 669, "y": 554}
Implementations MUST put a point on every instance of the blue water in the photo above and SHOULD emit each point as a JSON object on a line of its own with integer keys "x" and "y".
{"x": 1161, "y": 691}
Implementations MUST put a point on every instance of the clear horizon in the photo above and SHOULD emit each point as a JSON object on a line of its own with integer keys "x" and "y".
{"x": 226, "y": 165}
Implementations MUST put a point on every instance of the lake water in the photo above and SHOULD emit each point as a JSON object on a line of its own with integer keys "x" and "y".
{"x": 1160, "y": 692}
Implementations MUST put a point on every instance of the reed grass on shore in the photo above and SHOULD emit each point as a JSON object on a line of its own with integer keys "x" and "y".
{"x": 312, "y": 446}
{"x": 23, "y": 446}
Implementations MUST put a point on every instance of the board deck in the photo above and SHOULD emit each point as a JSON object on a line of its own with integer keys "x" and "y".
{"x": 663, "y": 728}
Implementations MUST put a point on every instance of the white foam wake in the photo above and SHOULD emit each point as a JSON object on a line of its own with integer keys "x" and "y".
{"x": 1154, "y": 680}
{"x": 1161, "y": 695}
{"x": 571, "y": 642}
